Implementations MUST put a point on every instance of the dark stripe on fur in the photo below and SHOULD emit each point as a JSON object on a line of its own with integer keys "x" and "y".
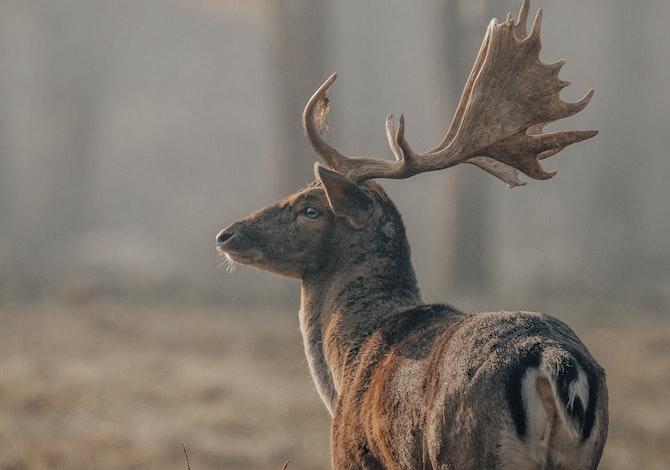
{"x": 530, "y": 358}
{"x": 415, "y": 330}
{"x": 583, "y": 414}
{"x": 594, "y": 388}
{"x": 568, "y": 373}
{"x": 399, "y": 327}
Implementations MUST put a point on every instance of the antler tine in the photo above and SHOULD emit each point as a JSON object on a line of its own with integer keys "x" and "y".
{"x": 520, "y": 27}
{"x": 501, "y": 171}
{"x": 393, "y": 139}
{"x": 320, "y": 104}
{"x": 399, "y": 147}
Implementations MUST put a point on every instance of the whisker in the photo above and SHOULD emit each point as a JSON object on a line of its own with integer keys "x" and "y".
{"x": 226, "y": 262}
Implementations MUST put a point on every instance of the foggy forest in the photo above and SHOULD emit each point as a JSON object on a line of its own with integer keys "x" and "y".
{"x": 132, "y": 131}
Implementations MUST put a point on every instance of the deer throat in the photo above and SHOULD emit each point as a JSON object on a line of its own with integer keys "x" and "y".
{"x": 335, "y": 318}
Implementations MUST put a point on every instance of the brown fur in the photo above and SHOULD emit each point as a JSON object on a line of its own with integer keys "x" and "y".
{"x": 411, "y": 385}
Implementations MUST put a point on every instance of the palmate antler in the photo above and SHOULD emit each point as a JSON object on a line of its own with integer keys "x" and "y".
{"x": 498, "y": 125}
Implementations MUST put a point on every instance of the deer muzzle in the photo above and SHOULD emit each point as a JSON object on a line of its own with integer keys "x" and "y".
{"x": 238, "y": 247}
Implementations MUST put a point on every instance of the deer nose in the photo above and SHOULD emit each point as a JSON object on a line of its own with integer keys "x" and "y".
{"x": 224, "y": 235}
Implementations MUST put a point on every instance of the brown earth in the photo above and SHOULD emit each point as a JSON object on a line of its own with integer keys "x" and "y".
{"x": 107, "y": 385}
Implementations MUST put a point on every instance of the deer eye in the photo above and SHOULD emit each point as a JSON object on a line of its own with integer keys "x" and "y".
{"x": 311, "y": 213}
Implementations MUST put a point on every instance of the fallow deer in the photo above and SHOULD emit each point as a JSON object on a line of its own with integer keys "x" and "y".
{"x": 411, "y": 385}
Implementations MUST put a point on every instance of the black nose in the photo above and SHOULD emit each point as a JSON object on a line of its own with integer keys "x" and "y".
{"x": 223, "y": 236}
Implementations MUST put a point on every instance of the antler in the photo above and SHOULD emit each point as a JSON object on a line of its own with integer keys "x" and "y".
{"x": 508, "y": 98}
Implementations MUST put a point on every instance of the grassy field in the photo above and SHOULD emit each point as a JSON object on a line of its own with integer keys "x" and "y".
{"x": 107, "y": 385}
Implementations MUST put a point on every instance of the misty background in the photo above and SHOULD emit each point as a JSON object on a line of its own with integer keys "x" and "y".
{"x": 132, "y": 131}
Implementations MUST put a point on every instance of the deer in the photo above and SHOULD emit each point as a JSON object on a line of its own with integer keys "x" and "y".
{"x": 414, "y": 385}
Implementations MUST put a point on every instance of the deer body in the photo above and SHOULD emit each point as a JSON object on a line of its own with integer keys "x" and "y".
{"x": 417, "y": 386}
{"x": 411, "y": 385}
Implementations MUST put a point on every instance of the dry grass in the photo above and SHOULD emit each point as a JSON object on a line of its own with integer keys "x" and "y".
{"x": 109, "y": 385}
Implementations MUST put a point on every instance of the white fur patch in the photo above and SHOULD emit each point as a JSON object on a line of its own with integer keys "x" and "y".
{"x": 579, "y": 388}
{"x": 550, "y": 435}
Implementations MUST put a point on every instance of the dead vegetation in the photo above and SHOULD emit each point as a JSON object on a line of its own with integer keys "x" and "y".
{"x": 111, "y": 385}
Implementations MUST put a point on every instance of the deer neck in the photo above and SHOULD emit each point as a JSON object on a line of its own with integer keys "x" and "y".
{"x": 342, "y": 308}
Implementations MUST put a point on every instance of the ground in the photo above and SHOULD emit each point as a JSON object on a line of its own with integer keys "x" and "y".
{"x": 110, "y": 384}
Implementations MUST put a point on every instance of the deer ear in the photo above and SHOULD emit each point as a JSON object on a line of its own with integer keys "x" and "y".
{"x": 346, "y": 199}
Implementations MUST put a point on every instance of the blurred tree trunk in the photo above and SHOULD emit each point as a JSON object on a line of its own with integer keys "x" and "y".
{"x": 5, "y": 138}
{"x": 6, "y": 170}
{"x": 70, "y": 72}
{"x": 460, "y": 31}
{"x": 618, "y": 197}
{"x": 297, "y": 33}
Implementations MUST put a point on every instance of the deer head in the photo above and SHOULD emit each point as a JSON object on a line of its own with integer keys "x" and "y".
{"x": 313, "y": 230}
